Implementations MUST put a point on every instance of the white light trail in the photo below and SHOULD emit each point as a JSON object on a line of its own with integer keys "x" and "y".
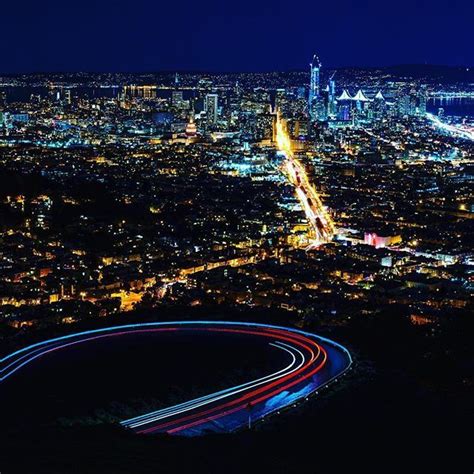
{"x": 214, "y": 397}
{"x": 466, "y": 132}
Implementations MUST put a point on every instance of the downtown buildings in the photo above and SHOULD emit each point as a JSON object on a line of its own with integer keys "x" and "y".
{"x": 169, "y": 193}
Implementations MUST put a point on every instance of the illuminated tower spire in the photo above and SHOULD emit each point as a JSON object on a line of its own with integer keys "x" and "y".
{"x": 314, "y": 87}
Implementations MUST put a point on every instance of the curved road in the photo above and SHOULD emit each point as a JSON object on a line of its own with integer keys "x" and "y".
{"x": 311, "y": 362}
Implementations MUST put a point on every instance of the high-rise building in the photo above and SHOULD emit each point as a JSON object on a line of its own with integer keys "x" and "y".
{"x": 321, "y": 107}
{"x": 422, "y": 99}
{"x": 67, "y": 96}
{"x": 361, "y": 101}
{"x": 379, "y": 106}
{"x": 314, "y": 87}
{"x": 280, "y": 100}
{"x": 405, "y": 104}
{"x": 301, "y": 93}
{"x": 210, "y": 106}
{"x": 332, "y": 97}
{"x": 177, "y": 99}
{"x": 344, "y": 106}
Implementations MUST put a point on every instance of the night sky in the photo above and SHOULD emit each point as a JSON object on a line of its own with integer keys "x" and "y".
{"x": 226, "y": 35}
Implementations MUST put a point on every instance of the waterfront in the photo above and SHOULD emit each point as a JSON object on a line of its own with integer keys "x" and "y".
{"x": 456, "y": 107}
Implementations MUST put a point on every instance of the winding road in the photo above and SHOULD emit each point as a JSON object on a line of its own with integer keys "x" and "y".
{"x": 311, "y": 363}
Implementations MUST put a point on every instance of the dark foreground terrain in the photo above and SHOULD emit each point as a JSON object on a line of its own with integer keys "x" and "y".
{"x": 406, "y": 407}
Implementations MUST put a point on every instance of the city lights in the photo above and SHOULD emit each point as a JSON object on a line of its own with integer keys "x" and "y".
{"x": 174, "y": 244}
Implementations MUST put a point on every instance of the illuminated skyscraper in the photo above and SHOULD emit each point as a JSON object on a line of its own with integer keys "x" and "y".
{"x": 404, "y": 104}
{"x": 422, "y": 98}
{"x": 344, "y": 106}
{"x": 280, "y": 100}
{"x": 332, "y": 97}
{"x": 177, "y": 99}
{"x": 314, "y": 87}
{"x": 379, "y": 106}
{"x": 67, "y": 96}
{"x": 211, "y": 108}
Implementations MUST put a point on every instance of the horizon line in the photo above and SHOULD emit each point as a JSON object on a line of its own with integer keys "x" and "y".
{"x": 214, "y": 72}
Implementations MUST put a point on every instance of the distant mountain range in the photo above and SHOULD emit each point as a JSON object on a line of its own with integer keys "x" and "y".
{"x": 428, "y": 73}
{"x": 420, "y": 71}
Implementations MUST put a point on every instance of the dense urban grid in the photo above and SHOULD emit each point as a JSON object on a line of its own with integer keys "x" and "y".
{"x": 339, "y": 201}
{"x": 117, "y": 195}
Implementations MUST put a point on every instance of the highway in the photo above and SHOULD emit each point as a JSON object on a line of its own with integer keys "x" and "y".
{"x": 311, "y": 362}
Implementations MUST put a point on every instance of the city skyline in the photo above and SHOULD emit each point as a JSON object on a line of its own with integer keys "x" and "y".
{"x": 196, "y": 265}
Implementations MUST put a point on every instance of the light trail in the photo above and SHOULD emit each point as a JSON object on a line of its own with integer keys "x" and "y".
{"x": 306, "y": 370}
{"x": 198, "y": 402}
{"x": 252, "y": 396}
{"x": 321, "y": 223}
{"x": 463, "y": 132}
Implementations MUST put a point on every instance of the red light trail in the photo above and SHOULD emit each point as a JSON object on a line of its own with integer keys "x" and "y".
{"x": 309, "y": 356}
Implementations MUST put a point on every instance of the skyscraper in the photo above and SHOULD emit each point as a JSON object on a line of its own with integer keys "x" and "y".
{"x": 177, "y": 99}
{"x": 422, "y": 99}
{"x": 67, "y": 96}
{"x": 379, "y": 106}
{"x": 211, "y": 108}
{"x": 404, "y": 103}
{"x": 314, "y": 87}
{"x": 332, "y": 97}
